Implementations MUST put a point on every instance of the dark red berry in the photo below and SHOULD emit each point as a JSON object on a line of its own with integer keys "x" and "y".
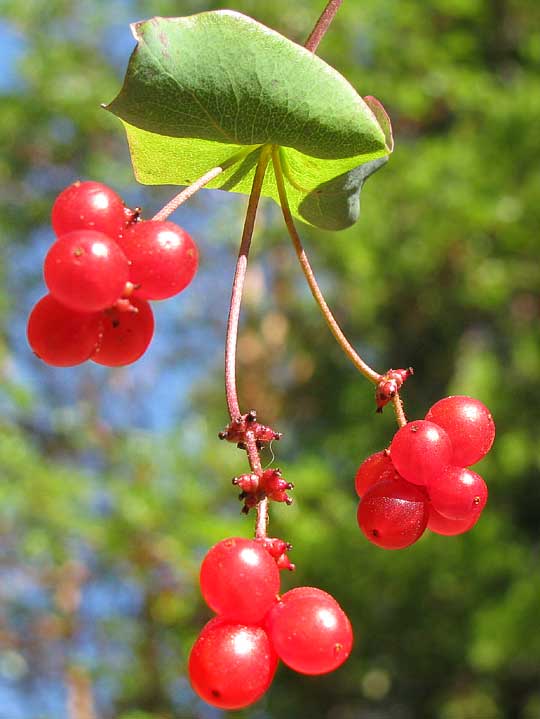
{"x": 393, "y": 514}
{"x": 61, "y": 336}
{"x": 239, "y": 580}
{"x": 88, "y": 206}
{"x": 469, "y": 425}
{"x": 458, "y": 493}
{"x": 125, "y": 335}
{"x": 86, "y": 271}
{"x": 310, "y": 631}
{"x": 450, "y": 527}
{"x": 231, "y": 665}
{"x": 376, "y": 468}
{"x": 163, "y": 258}
{"x": 420, "y": 450}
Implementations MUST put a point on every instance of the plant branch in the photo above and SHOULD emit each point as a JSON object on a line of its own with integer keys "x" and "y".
{"x": 238, "y": 286}
{"x": 331, "y": 321}
{"x": 186, "y": 194}
{"x": 322, "y": 25}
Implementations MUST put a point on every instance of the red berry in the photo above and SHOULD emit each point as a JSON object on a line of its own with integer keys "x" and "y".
{"x": 231, "y": 665}
{"x": 458, "y": 493}
{"x": 86, "y": 270}
{"x": 420, "y": 450}
{"x": 163, "y": 258}
{"x": 376, "y": 468}
{"x": 310, "y": 631}
{"x": 125, "y": 335}
{"x": 60, "y": 336}
{"x": 469, "y": 425}
{"x": 393, "y": 514}
{"x": 239, "y": 580}
{"x": 450, "y": 527}
{"x": 88, "y": 206}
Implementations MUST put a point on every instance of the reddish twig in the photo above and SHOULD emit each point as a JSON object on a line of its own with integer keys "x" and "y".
{"x": 322, "y": 25}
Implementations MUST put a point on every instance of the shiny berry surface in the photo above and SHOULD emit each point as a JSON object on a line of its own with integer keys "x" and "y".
{"x": 60, "y": 336}
{"x": 163, "y": 258}
{"x": 375, "y": 468}
{"x": 420, "y": 450}
{"x": 469, "y": 425}
{"x": 88, "y": 206}
{"x": 124, "y": 335}
{"x": 231, "y": 665}
{"x": 239, "y": 579}
{"x": 86, "y": 270}
{"x": 310, "y": 631}
{"x": 450, "y": 527}
{"x": 393, "y": 514}
{"x": 458, "y": 493}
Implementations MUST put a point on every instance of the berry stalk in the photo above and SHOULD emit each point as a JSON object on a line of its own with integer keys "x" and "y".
{"x": 331, "y": 321}
{"x": 322, "y": 25}
{"x": 187, "y": 193}
{"x": 238, "y": 285}
{"x": 232, "y": 331}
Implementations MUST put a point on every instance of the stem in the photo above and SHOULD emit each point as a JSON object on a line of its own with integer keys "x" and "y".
{"x": 331, "y": 321}
{"x": 232, "y": 331}
{"x": 322, "y": 25}
{"x": 261, "y": 525}
{"x": 186, "y": 194}
{"x": 238, "y": 286}
{"x": 398, "y": 409}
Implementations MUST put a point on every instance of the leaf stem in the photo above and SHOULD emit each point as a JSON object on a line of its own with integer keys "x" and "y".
{"x": 238, "y": 285}
{"x": 331, "y": 321}
{"x": 187, "y": 193}
{"x": 322, "y": 25}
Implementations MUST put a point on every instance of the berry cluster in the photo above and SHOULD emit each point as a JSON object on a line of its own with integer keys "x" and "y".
{"x": 103, "y": 268}
{"x": 235, "y": 657}
{"x": 423, "y": 479}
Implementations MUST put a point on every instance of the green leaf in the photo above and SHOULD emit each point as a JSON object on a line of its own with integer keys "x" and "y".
{"x": 210, "y": 89}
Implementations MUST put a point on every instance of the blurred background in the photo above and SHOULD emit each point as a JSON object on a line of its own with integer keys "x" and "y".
{"x": 113, "y": 484}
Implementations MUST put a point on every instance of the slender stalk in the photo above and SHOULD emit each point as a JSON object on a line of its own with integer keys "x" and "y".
{"x": 399, "y": 411}
{"x": 331, "y": 321}
{"x": 261, "y": 525}
{"x": 238, "y": 285}
{"x": 232, "y": 330}
{"x": 187, "y": 193}
{"x": 322, "y": 25}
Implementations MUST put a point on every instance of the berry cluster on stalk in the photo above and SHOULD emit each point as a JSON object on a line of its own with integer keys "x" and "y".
{"x": 423, "y": 479}
{"x": 104, "y": 266}
{"x": 235, "y": 657}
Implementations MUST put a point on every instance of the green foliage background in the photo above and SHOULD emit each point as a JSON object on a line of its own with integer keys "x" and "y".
{"x": 441, "y": 273}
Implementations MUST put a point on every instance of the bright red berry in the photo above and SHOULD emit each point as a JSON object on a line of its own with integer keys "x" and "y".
{"x": 239, "y": 580}
{"x": 231, "y": 665}
{"x": 458, "y": 493}
{"x": 125, "y": 335}
{"x": 420, "y": 450}
{"x": 88, "y": 206}
{"x": 61, "y": 336}
{"x": 469, "y": 425}
{"x": 450, "y": 527}
{"x": 376, "y": 468}
{"x": 310, "y": 631}
{"x": 86, "y": 271}
{"x": 163, "y": 258}
{"x": 393, "y": 514}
